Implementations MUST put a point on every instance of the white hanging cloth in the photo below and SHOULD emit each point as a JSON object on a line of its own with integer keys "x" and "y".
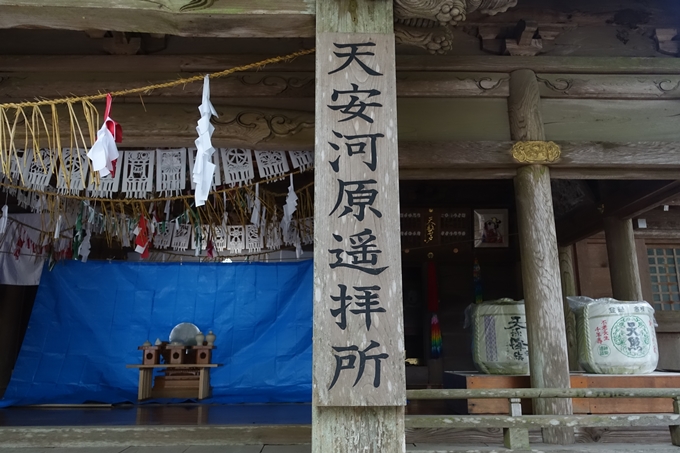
{"x": 104, "y": 152}
{"x": 203, "y": 167}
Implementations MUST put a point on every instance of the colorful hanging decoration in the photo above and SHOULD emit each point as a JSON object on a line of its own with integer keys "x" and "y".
{"x": 238, "y": 166}
{"x": 142, "y": 240}
{"x": 204, "y": 169}
{"x": 271, "y": 164}
{"x": 435, "y": 338}
{"x": 138, "y": 173}
{"x": 104, "y": 152}
{"x": 171, "y": 171}
{"x": 477, "y": 281}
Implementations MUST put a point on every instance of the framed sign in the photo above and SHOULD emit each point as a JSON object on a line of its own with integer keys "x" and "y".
{"x": 491, "y": 227}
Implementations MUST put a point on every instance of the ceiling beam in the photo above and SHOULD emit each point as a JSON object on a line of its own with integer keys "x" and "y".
{"x": 417, "y": 63}
{"x": 221, "y": 18}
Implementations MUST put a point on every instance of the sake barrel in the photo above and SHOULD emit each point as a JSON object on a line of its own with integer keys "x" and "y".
{"x": 499, "y": 344}
{"x": 615, "y": 337}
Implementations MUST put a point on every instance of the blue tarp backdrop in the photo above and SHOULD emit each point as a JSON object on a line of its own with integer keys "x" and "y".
{"x": 89, "y": 319}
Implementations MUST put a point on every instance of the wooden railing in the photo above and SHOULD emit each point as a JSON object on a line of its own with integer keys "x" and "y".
{"x": 516, "y": 426}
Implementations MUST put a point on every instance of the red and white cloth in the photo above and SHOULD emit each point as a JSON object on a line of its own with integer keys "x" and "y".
{"x": 104, "y": 152}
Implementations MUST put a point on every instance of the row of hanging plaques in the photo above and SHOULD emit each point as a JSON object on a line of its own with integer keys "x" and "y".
{"x": 137, "y": 171}
{"x": 234, "y": 238}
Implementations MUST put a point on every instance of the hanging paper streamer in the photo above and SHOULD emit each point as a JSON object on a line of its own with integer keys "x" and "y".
{"x": 163, "y": 238}
{"x": 171, "y": 171}
{"x": 288, "y": 210}
{"x": 138, "y": 173}
{"x": 3, "y": 219}
{"x": 271, "y": 164}
{"x": 477, "y": 281}
{"x": 219, "y": 238}
{"x": 181, "y": 237}
{"x": 236, "y": 241}
{"x": 39, "y": 169}
{"x": 142, "y": 240}
{"x": 72, "y": 173}
{"x": 238, "y": 166}
{"x": 104, "y": 186}
{"x": 257, "y": 206}
{"x": 436, "y": 338}
{"x": 253, "y": 239}
{"x": 215, "y": 159}
{"x": 302, "y": 160}
{"x": 204, "y": 169}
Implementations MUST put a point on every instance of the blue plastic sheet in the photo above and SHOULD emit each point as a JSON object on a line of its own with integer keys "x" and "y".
{"x": 89, "y": 319}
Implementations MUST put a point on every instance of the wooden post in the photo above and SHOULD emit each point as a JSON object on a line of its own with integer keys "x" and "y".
{"x": 568, "y": 277}
{"x": 359, "y": 389}
{"x": 623, "y": 263}
{"x": 546, "y": 333}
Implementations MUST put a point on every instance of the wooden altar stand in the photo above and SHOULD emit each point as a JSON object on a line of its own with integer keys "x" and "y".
{"x": 182, "y": 380}
{"x": 185, "y": 373}
{"x": 473, "y": 380}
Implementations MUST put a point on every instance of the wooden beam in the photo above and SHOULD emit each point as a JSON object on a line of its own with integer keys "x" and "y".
{"x": 568, "y": 279}
{"x": 415, "y": 63}
{"x": 410, "y": 84}
{"x": 226, "y": 18}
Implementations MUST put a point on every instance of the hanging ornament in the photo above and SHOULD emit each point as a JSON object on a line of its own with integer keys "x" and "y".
{"x": 71, "y": 176}
{"x": 163, "y": 237}
{"x": 237, "y": 164}
{"x": 104, "y": 152}
{"x": 253, "y": 239}
{"x": 302, "y": 160}
{"x": 181, "y": 237}
{"x": 104, "y": 186}
{"x": 171, "y": 171}
{"x": 84, "y": 249}
{"x": 236, "y": 239}
{"x": 271, "y": 164}
{"x": 256, "y": 207}
{"x": 220, "y": 238}
{"x": 39, "y": 169}
{"x": 3, "y": 219}
{"x": 138, "y": 173}
{"x": 142, "y": 239}
{"x": 214, "y": 159}
{"x": 435, "y": 338}
{"x": 273, "y": 236}
{"x": 288, "y": 210}
{"x": 204, "y": 169}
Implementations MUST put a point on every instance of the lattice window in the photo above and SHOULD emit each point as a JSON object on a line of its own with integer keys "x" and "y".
{"x": 664, "y": 264}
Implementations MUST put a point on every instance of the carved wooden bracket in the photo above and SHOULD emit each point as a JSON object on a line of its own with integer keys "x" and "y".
{"x": 536, "y": 152}
{"x": 527, "y": 38}
{"x": 437, "y": 40}
{"x": 423, "y": 23}
{"x": 668, "y": 40}
{"x": 445, "y": 12}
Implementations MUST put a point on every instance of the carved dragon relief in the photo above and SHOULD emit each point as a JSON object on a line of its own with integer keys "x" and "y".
{"x": 253, "y": 127}
{"x": 424, "y": 23}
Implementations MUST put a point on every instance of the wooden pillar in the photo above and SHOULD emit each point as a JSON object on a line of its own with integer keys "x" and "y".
{"x": 546, "y": 333}
{"x": 623, "y": 263}
{"x": 359, "y": 389}
{"x": 568, "y": 278}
